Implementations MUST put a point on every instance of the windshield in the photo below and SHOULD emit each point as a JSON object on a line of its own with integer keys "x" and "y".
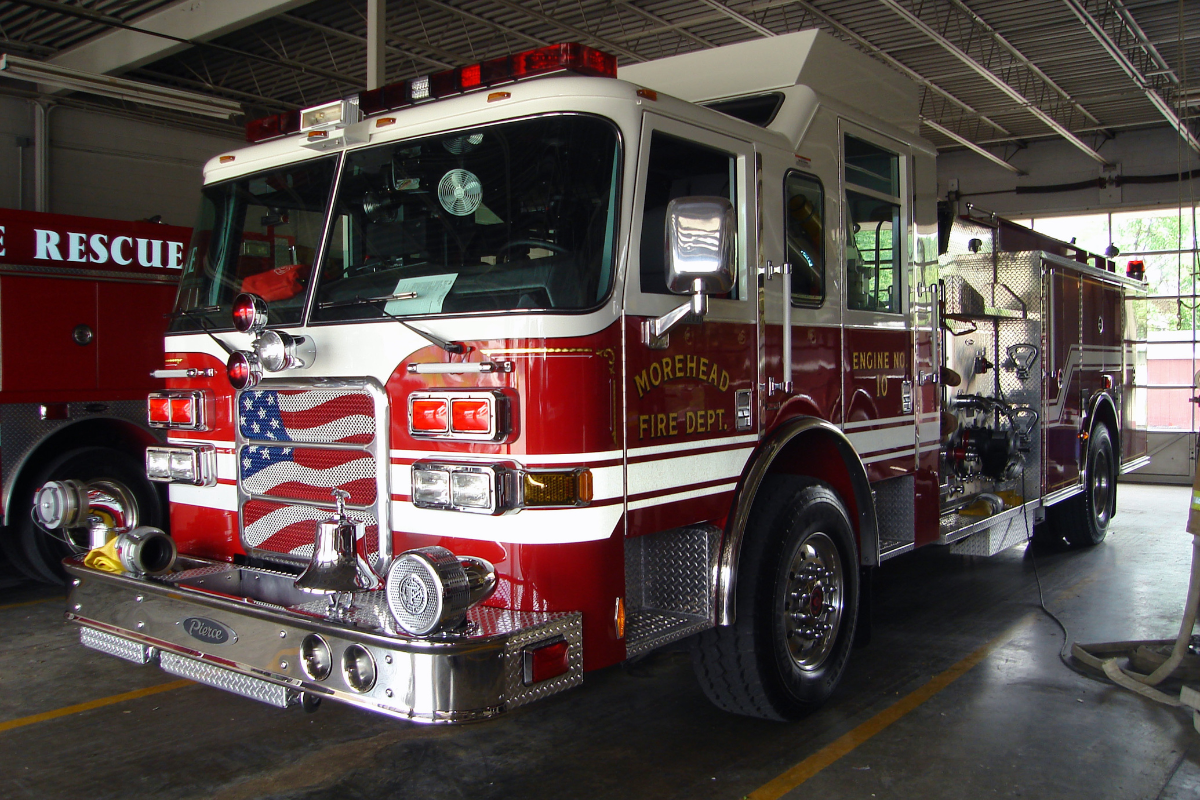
{"x": 513, "y": 216}
{"x": 255, "y": 234}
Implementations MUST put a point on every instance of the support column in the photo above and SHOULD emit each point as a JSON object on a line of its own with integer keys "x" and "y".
{"x": 41, "y": 157}
{"x": 376, "y": 35}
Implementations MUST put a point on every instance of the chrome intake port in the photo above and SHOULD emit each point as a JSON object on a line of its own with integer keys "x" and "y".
{"x": 315, "y": 657}
{"x": 358, "y": 668}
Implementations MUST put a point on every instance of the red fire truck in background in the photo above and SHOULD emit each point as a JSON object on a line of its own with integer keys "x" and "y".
{"x": 83, "y": 305}
{"x": 491, "y": 377}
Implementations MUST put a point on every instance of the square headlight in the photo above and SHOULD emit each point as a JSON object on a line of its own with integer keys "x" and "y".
{"x": 471, "y": 489}
{"x": 431, "y": 487}
{"x": 158, "y": 464}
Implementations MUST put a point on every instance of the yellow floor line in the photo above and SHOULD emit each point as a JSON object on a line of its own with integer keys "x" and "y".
{"x": 33, "y": 602}
{"x": 833, "y": 751}
{"x": 88, "y": 706}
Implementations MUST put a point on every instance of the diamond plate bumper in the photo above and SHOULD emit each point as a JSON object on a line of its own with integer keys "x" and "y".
{"x": 251, "y": 623}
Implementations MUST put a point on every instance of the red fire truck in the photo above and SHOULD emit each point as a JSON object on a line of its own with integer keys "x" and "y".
{"x": 492, "y": 377}
{"x": 83, "y": 305}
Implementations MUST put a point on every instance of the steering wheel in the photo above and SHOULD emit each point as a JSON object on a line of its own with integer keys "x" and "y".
{"x": 551, "y": 246}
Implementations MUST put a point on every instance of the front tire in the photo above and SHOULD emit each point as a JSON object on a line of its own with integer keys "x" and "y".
{"x": 797, "y": 606}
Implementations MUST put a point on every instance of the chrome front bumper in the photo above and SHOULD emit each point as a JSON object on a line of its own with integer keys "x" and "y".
{"x": 263, "y": 619}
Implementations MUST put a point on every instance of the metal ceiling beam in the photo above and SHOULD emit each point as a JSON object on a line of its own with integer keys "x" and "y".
{"x": 738, "y": 17}
{"x": 678, "y": 29}
{"x": 120, "y": 50}
{"x": 1117, "y": 32}
{"x": 896, "y": 64}
{"x": 606, "y": 44}
{"x": 974, "y": 148}
{"x": 354, "y": 37}
{"x": 982, "y": 39}
{"x": 496, "y": 26}
{"x": 113, "y": 22}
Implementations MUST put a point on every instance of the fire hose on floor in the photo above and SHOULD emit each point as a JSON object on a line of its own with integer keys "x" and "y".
{"x": 1150, "y": 663}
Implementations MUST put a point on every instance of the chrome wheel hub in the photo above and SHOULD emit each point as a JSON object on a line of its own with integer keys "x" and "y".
{"x": 1101, "y": 481}
{"x": 812, "y": 601}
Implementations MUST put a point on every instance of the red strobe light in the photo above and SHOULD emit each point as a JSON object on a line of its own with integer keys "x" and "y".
{"x": 272, "y": 127}
{"x": 470, "y": 416}
{"x": 158, "y": 410}
{"x": 249, "y": 313}
{"x": 244, "y": 370}
{"x": 428, "y": 416}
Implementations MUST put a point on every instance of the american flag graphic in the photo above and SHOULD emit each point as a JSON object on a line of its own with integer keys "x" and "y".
{"x": 284, "y": 461}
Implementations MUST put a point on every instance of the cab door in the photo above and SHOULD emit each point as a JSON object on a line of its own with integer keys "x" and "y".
{"x": 691, "y": 397}
{"x": 878, "y": 393}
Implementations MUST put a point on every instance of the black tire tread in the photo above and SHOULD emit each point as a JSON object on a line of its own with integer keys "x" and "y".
{"x": 726, "y": 662}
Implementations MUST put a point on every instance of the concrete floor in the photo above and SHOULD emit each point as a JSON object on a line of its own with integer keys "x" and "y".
{"x": 1015, "y": 724}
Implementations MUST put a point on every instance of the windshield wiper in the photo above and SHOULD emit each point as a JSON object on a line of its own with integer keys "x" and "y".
{"x": 198, "y": 314}
{"x": 381, "y": 302}
{"x": 357, "y": 301}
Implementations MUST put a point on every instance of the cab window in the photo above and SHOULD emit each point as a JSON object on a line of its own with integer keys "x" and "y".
{"x": 805, "y": 226}
{"x": 874, "y": 247}
{"x": 677, "y": 168}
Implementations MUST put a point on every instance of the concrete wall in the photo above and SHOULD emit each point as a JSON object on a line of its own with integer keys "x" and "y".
{"x": 1153, "y": 151}
{"x": 107, "y": 166}
{"x": 16, "y": 164}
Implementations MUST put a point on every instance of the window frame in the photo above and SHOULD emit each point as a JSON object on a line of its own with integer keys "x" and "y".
{"x": 739, "y": 308}
{"x": 903, "y": 153}
{"x": 814, "y": 178}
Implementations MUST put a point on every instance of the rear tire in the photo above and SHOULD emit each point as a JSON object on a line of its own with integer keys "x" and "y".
{"x": 44, "y": 550}
{"x": 1082, "y": 520}
{"x": 797, "y": 605}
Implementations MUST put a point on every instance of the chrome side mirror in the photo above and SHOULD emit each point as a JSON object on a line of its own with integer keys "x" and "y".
{"x": 700, "y": 240}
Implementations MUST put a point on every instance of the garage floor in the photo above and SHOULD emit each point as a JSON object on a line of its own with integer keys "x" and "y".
{"x": 959, "y": 694}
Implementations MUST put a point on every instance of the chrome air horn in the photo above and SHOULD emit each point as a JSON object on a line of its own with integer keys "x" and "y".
{"x": 337, "y": 566}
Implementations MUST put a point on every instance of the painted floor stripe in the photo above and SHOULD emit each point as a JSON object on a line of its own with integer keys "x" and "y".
{"x": 830, "y": 753}
{"x": 88, "y": 706}
{"x": 34, "y": 602}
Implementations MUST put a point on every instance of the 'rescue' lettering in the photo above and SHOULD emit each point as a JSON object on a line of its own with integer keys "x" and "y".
{"x": 97, "y": 249}
{"x": 681, "y": 367}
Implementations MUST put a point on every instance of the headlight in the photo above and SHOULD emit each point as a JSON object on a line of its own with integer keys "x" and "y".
{"x": 431, "y": 487}
{"x": 195, "y": 465}
{"x": 477, "y": 488}
{"x": 279, "y": 351}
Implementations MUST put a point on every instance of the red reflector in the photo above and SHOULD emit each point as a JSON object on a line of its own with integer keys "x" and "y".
{"x": 470, "y": 416}
{"x": 182, "y": 411}
{"x": 547, "y": 661}
{"x": 158, "y": 409}
{"x": 429, "y": 416}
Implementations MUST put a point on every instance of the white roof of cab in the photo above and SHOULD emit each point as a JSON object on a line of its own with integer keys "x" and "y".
{"x": 810, "y": 58}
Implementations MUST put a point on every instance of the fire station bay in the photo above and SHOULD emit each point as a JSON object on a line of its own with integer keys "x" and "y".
{"x": 599, "y": 399}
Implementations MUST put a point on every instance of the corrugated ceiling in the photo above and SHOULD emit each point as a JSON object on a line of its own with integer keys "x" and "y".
{"x": 995, "y": 73}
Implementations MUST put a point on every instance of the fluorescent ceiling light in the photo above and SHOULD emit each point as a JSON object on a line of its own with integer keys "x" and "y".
{"x": 28, "y": 69}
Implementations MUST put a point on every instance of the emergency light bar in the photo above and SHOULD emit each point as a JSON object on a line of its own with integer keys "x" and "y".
{"x": 567, "y": 57}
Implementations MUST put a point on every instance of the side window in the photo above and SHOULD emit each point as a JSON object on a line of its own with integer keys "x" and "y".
{"x": 677, "y": 168}
{"x": 873, "y": 243}
{"x": 805, "y": 226}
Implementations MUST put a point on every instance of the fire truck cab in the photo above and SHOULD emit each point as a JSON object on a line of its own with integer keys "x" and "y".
{"x": 493, "y": 379}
